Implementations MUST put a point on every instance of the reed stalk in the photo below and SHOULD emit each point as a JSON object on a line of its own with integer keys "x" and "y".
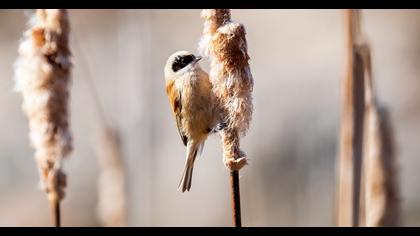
{"x": 367, "y": 191}
{"x": 379, "y": 194}
{"x": 351, "y": 130}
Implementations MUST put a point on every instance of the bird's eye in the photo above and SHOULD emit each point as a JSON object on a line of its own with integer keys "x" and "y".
{"x": 181, "y": 62}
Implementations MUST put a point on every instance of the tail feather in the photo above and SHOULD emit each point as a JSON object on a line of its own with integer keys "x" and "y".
{"x": 185, "y": 183}
{"x": 186, "y": 179}
{"x": 200, "y": 148}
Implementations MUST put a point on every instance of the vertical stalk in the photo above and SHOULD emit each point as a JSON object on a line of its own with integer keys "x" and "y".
{"x": 351, "y": 133}
{"x": 55, "y": 207}
{"x": 236, "y": 198}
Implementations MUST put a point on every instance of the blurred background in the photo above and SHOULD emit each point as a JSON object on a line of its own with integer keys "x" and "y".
{"x": 297, "y": 60}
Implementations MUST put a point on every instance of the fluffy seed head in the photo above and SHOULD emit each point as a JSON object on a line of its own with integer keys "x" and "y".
{"x": 225, "y": 43}
{"x": 42, "y": 76}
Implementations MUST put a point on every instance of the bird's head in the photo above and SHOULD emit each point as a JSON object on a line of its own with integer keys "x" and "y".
{"x": 180, "y": 62}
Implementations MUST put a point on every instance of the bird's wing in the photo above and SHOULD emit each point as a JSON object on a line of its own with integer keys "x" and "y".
{"x": 178, "y": 117}
{"x": 175, "y": 100}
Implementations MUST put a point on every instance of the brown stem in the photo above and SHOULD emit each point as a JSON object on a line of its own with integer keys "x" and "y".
{"x": 351, "y": 133}
{"x": 55, "y": 207}
{"x": 236, "y": 199}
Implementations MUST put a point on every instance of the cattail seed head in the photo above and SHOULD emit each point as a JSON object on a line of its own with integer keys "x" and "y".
{"x": 225, "y": 43}
{"x": 42, "y": 76}
{"x": 231, "y": 75}
{"x": 214, "y": 18}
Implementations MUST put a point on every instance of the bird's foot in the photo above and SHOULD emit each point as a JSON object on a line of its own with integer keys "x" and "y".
{"x": 219, "y": 127}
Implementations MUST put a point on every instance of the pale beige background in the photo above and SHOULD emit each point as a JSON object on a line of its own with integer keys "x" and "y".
{"x": 297, "y": 62}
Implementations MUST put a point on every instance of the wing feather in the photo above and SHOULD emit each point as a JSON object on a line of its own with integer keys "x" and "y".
{"x": 176, "y": 104}
{"x": 179, "y": 121}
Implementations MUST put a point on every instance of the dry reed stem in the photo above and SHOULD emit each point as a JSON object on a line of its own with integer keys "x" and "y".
{"x": 380, "y": 188}
{"x": 351, "y": 131}
{"x": 42, "y": 76}
{"x": 225, "y": 43}
{"x": 111, "y": 186}
{"x": 367, "y": 194}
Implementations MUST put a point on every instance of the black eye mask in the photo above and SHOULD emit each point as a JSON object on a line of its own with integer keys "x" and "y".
{"x": 181, "y": 62}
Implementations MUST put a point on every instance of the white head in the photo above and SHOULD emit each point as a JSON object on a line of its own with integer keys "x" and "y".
{"x": 179, "y": 63}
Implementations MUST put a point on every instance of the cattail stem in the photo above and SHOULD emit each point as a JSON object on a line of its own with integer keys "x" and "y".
{"x": 236, "y": 198}
{"x": 55, "y": 207}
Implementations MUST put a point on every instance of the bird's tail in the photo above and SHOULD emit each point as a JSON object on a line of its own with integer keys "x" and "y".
{"x": 192, "y": 150}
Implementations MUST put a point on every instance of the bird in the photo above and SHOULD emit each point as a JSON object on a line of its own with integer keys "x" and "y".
{"x": 193, "y": 105}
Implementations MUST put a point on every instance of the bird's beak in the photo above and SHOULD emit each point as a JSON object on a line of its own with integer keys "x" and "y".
{"x": 197, "y": 58}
